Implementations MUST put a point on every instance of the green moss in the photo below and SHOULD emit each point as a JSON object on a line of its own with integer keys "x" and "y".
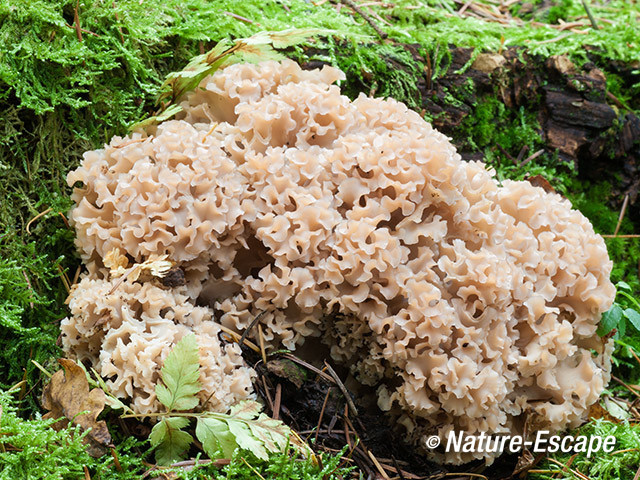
{"x": 559, "y": 11}
{"x": 620, "y": 464}
{"x": 32, "y": 450}
{"x": 380, "y": 69}
{"x": 619, "y": 88}
{"x": 432, "y": 25}
{"x": 592, "y": 200}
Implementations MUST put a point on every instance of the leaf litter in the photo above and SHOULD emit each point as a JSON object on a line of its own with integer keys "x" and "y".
{"x": 69, "y": 398}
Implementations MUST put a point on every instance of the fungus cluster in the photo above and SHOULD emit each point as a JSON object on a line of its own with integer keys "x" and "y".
{"x": 469, "y": 305}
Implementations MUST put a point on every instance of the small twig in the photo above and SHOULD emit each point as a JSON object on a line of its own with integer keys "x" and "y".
{"x": 580, "y": 32}
{"x": 506, "y": 154}
{"x": 618, "y": 103}
{"x": 76, "y": 275}
{"x": 322, "y": 430}
{"x": 308, "y": 366}
{"x": 64, "y": 219}
{"x": 521, "y": 154}
{"x": 620, "y": 236}
{"x": 626, "y": 386}
{"x": 254, "y": 470}
{"x": 65, "y": 279}
{"x": 634, "y": 355}
{"x": 242, "y": 19}
{"x": 267, "y": 394}
{"x": 346, "y": 426}
{"x": 366, "y": 17}
{"x": 637, "y": 475}
{"x": 124, "y": 277}
{"x": 206, "y": 402}
{"x": 131, "y": 142}
{"x": 372, "y": 12}
{"x": 531, "y": 157}
{"x": 113, "y": 4}
{"x": 552, "y": 40}
{"x": 83, "y": 30}
{"x": 211, "y": 130}
{"x": 465, "y": 474}
{"x": 276, "y": 402}
{"x": 116, "y": 460}
{"x": 236, "y": 337}
{"x": 253, "y": 324}
{"x": 87, "y": 475}
{"x": 575, "y": 472}
{"x": 377, "y": 4}
{"x": 262, "y": 350}
{"x": 221, "y": 462}
{"x": 626, "y": 450}
{"x": 570, "y": 25}
{"x": 324, "y": 405}
{"x": 464, "y": 7}
{"x": 591, "y": 19}
{"x": 378, "y": 466}
{"x": 40, "y": 215}
{"x": 372, "y": 90}
{"x": 623, "y": 210}
{"x": 76, "y": 21}
{"x": 342, "y": 388}
{"x": 397, "y": 467}
{"x": 24, "y": 274}
{"x": 41, "y": 368}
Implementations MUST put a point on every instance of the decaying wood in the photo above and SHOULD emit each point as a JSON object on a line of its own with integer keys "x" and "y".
{"x": 580, "y": 121}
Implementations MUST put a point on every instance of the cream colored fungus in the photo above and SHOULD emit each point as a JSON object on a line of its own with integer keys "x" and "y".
{"x": 468, "y": 304}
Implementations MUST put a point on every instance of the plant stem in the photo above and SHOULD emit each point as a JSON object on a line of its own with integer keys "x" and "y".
{"x": 591, "y": 19}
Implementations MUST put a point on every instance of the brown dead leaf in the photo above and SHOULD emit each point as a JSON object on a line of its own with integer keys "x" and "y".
{"x": 526, "y": 461}
{"x": 597, "y": 411}
{"x": 67, "y": 395}
{"x": 540, "y": 181}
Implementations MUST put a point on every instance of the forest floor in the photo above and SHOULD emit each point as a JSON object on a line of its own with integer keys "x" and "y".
{"x": 547, "y": 90}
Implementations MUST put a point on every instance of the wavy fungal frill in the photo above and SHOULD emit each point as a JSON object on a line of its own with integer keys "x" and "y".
{"x": 468, "y": 304}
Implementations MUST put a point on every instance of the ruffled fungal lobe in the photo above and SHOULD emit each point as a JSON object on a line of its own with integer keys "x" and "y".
{"x": 469, "y": 304}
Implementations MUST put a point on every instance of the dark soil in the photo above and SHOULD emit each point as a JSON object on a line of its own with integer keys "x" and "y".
{"x": 315, "y": 407}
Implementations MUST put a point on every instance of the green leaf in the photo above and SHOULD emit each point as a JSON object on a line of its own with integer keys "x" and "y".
{"x": 286, "y": 38}
{"x": 273, "y": 433}
{"x": 247, "y": 410}
{"x": 610, "y": 320}
{"x": 256, "y": 48}
{"x": 622, "y": 328}
{"x": 170, "y": 441}
{"x": 180, "y": 375}
{"x": 246, "y": 439}
{"x": 633, "y": 317}
{"x": 215, "y": 437}
{"x": 623, "y": 286}
{"x": 161, "y": 117}
{"x": 615, "y": 409}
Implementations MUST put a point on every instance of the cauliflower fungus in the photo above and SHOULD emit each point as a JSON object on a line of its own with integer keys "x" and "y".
{"x": 468, "y": 304}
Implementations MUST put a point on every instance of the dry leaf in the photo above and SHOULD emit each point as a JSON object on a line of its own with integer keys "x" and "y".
{"x": 116, "y": 262}
{"x": 67, "y": 395}
{"x": 540, "y": 181}
{"x": 597, "y": 411}
{"x": 158, "y": 266}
